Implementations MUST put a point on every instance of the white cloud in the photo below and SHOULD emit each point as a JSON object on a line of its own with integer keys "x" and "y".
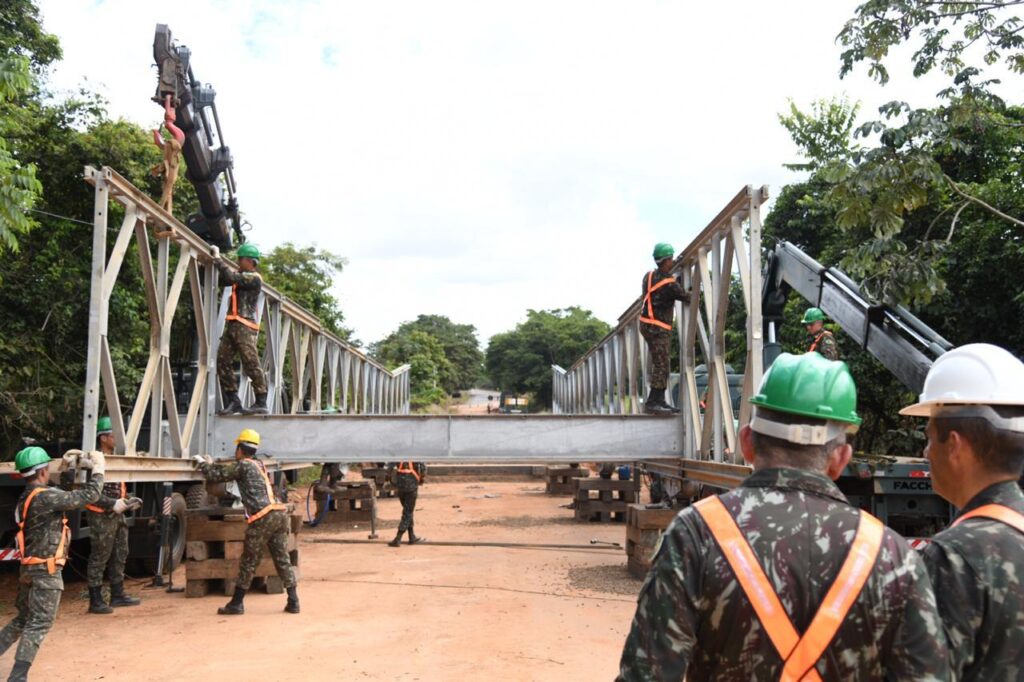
{"x": 478, "y": 159}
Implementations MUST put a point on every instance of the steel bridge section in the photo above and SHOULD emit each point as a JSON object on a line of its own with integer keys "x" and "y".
{"x": 454, "y": 438}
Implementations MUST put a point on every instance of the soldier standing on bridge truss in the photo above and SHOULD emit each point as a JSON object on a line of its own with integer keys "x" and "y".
{"x": 408, "y": 477}
{"x": 267, "y": 521}
{"x": 660, "y": 291}
{"x": 822, "y": 340}
{"x": 974, "y": 399}
{"x": 240, "y": 331}
{"x": 108, "y": 534}
{"x": 43, "y": 541}
{"x": 781, "y": 578}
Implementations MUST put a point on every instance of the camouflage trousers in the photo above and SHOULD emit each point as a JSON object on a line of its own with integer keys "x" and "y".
{"x": 408, "y": 500}
{"x": 239, "y": 340}
{"x": 659, "y": 347}
{"x": 37, "y": 603}
{"x": 270, "y": 531}
{"x": 108, "y": 548}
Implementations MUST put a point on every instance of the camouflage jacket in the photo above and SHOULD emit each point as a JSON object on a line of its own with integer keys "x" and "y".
{"x": 250, "y": 482}
{"x": 976, "y": 568}
{"x": 694, "y": 620}
{"x": 825, "y": 343}
{"x": 408, "y": 482}
{"x": 45, "y": 519}
{"x": 664, "y": 299}
{"x": 248, "y": 289}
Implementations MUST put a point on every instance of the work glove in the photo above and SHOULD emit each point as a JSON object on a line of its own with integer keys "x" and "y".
{"x": 215, "y": 254}
{"x": 199, "y": 460}
{"x": 134, "y": 503}
{"x": 69, "y": 460}
{"x": 94, "y": 460}
{"x": 120, "y": 506}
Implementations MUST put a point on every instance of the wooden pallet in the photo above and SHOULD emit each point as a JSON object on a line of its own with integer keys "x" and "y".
{"x": 213, "y": 548}
{"x": 351, "y": 501}
{"x": 559, "y": 480}
{"x": 382, "y": 479}
{"x": 602, "y": 499}
{"x": 644, "y": 528}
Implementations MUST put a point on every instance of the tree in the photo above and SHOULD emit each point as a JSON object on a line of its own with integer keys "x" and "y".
{"x": 305, "y": 274}
{"x": 19, "y": 188}
{"x": 458, "y": 341}
{"x": 430, "y": 369}
{"x": 520, "y": 360}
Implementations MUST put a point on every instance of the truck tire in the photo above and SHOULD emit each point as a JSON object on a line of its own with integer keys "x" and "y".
{"x": 178, "y": 528}
{"x": 195, "y": 496}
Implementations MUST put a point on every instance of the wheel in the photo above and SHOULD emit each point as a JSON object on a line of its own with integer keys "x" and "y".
{"x": 195, "y": 496}
{"x": 177, "y": 529}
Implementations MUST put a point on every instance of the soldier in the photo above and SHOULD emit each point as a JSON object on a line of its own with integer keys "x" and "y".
{"x": 108, "y": 534}
{"x": 781, "y": 578}
{"x": 822, "y": 340}
{"x": 240, "y": 330}
{"x": 660, "y": 292}
{"x": 974, "y": 399}
{"x": 408, "y": 477}
{"x": 268, "y": 522}
{"x": 43, "y": 539}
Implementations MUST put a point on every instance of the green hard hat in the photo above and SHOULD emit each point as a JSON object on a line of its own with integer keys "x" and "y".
{"x": 810, "y": 386}
{"x": 29, "y": 459}
{"x": 103, "y": 426}
{"x": 813, "y": 315}
{"x": 663, "y": 250}
{"x": 249, "y": 251}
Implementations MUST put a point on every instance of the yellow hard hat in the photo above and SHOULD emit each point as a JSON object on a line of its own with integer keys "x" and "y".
{"x": 249, "y": 436}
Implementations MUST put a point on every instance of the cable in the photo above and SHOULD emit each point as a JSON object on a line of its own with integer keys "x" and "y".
{"x": 451, "y": 543}
{"x": 473, "y": 587}
{"x": 61, "y": 217}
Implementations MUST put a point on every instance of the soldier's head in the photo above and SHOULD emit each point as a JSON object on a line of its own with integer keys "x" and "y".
{"x": 804, "y": 411}
{"x": 33, "y": 464}
{"x": 973, "y": 397}
{"x": 105, "y": 436}
{"x": 247, "y": 444}
{"x": 248, "y": 258}
{"x": 664, "y": 256}
{"x": 814, "y": 320}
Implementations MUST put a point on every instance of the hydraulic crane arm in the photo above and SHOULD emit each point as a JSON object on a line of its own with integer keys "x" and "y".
{"x": 904, "y": 344}
{"x": 194, "y": 105}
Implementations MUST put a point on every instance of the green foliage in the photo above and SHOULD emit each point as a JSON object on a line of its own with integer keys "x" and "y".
{"x": 520, "y": 360}
{"x": 824, "y": 133}
{"x": 22, "y": 34}
{"x": 19, "y": 188}
{"x": 458, "y": 341}
{"x": 430, "y": 370}
{"x": 305, "y": 274}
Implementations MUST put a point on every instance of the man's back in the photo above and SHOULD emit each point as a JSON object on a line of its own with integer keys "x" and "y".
{"x": 694, "y": 618}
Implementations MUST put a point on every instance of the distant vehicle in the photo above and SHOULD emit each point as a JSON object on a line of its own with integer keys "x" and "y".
{"x": 510, "y": 403}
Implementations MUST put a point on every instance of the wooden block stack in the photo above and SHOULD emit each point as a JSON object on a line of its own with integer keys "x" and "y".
{"x": 560, "y": 478}
{"x": 213, "y": 548}
{"x": 380, "y": 478}
{"x": 602, "y": 499}
{"x": 351, "y": 501}
{"x": 643, "y": 530}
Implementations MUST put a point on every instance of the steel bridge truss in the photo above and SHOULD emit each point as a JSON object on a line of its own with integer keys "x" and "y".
{"x": 612, "y": 377}
{"x": 325, "y": 372}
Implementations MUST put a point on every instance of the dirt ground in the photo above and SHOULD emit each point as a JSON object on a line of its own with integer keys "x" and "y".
{"x": 424, "y": 612}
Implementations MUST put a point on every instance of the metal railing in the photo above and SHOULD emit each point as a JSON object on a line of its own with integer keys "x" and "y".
{"x": 294, "y": 337}
{"x": 611, "y": 378}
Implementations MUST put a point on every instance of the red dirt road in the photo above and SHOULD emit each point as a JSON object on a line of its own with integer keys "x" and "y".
{"x": 377, "y": 613}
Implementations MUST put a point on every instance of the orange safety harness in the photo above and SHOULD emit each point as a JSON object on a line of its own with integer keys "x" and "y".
{"x": 408, "y": 468}
{"x": 817, "y": 339}
{"x": 233, "y": 314}
{"x": 273, "y": 506}
{"x": 57, "y": 560}
{"x": 647, "y": 314}
{"x": 101, "y": 510}
{"x": 800, "y": 653}
{"x": 997, "y": 512}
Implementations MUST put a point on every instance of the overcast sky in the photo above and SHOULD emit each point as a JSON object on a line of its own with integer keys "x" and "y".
{"x": 478, "y": 159}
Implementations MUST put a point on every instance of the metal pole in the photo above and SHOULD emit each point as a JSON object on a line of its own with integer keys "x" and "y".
{"x": 91, "y": 407}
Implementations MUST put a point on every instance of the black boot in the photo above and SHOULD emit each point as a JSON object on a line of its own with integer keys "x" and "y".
{"x": 258, "y": 407}
{"x": 96, "y": 603}
{"x": 397, "y": 542}
{"x": 293, "y": 601}
{"x": 235, "y": 607}
{"x": 232, "y": 405}
{"x": 19, "y": 673}
{"x": 655, "y": 403}
{"x": 412, "y": 537}
{"x": 119, "y": 598}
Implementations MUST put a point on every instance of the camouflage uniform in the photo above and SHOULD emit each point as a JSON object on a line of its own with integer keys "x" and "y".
{"x": 38, "y": 590}
{"x": 408, "y": 490}
{"x": 108, "y": 539}
{"x": 976, "y": 569}
{"x": 825, "y": 344}
{"x": 238, "y": 339}
{"x": 694, "y": 620}
{"x": 659, "y": 340}
{"x": 271, "y": 530}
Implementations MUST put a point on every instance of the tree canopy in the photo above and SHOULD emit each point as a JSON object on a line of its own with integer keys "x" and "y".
{"x": 304, "y": 274}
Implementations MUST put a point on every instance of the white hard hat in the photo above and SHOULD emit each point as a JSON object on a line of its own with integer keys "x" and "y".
{"x": 975, "y": 374}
